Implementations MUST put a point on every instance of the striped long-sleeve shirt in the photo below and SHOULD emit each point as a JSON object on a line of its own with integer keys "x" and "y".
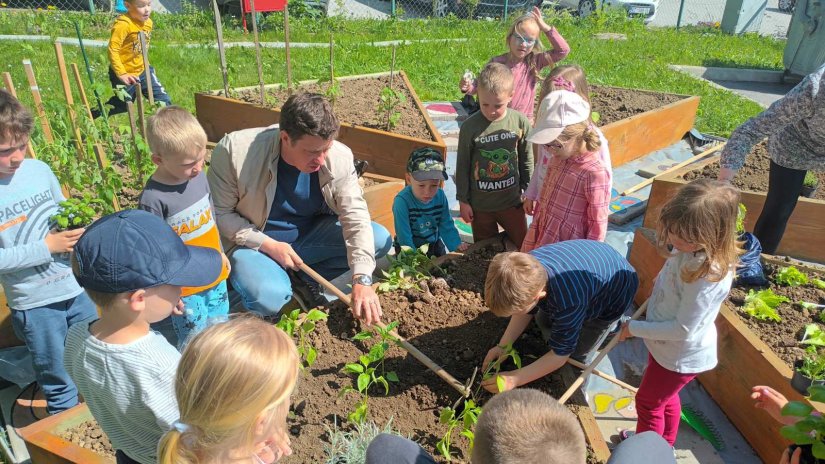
{"x": 130, "y": 389}
{"x": 586, "y": 280}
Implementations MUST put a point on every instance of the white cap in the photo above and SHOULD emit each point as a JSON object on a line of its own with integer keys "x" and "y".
{"x": 558, "y": 110}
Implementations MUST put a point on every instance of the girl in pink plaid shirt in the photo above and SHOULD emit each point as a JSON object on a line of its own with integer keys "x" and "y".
{"x": 575, "y": 189}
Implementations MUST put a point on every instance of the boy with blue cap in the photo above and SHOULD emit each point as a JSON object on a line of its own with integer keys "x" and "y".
{"x": 420, "y": 210}
{"x": 132, "y": 265}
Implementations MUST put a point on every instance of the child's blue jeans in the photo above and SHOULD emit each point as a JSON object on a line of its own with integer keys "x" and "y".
{"x": 201, "y": 310}
{"x": 44, "y": 331}
{"x": 158, "y": 92}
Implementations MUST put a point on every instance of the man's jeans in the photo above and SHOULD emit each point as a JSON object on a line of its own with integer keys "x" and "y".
{"x": 264, "y": 285}
{"x": 44, "y": 331}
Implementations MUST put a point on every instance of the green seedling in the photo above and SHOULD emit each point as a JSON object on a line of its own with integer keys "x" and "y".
{"x": 369, "y": 370}
{"x": 303, "y": 324}
{"x": 762, "y": 305}
{"x": 388, "y": 105}
{"x": 810, "y": 428}
{"x": 76, "y": 213}
{"x": 494, "y": 367}
{"x": 595, "y": 116}
{"x": 790, "y": 277}
{"x": 818, "y": 283}
{"x": 406, "y": 269}
{"x": 814, "y": 335}
{"x": 467, "y": 418}
{"x": 740, "y": 219}
{"x": 810, "y": 180}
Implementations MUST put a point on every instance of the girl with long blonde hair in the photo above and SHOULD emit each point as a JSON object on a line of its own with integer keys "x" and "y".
{"x": 697, "y": 232}
{"x": 233, "y": 386}
{"x": 525, "y": 58}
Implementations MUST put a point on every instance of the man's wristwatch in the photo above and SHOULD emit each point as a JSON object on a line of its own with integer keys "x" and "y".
{"x": 361, "y": 279}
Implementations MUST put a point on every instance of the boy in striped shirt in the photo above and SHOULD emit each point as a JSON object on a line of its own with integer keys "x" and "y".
{"x": 132, "y": 265}
{"x": 576, "y": 290}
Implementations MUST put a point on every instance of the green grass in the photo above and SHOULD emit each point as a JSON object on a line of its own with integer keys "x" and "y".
{"x": 434, "y": 69}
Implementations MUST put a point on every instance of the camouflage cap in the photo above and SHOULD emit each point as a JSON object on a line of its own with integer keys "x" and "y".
{"x": 426, "y": 164}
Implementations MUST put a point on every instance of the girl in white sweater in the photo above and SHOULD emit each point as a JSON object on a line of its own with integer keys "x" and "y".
{"x": 697, "y": 232}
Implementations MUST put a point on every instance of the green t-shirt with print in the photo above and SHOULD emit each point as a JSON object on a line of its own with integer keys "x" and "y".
{"x": 494, "y": 161}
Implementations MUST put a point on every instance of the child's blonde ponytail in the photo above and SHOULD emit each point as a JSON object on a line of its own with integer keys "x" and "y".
{"x": 591, "y": 139}
{"x": 171, "y": 450}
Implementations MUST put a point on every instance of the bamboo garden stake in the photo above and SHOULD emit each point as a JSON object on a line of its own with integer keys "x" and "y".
{"x": 130, "y": 111}
{"x": 221, "y": 53}
{"x": 38, "y": 102}
{"x": 144, "y": 44}
{"x": 141, "y": 114}
{"x": 81, "y": 90}
{"x": 331, "y": 60}
{"x": 67, "y": 92}
{"x": 257, "y": 50}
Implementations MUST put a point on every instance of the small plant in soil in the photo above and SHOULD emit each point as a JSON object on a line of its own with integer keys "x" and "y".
{"x": 406, "y": 269}
{"x": 810, "y": 181}
{"x": 75, "y": 213}
{"x": 762, "y": 305}
{"x": 303, "y": 324}
{"x": 810, "y": 429}
{"x": 814, "y": 336}
{"x": 740, "y": 219}
{"x": 495, "y": 367}
{"x": 790, "y": 277}
{"x": 387, "y": 107}
{"x": 818, "y": 283}
{"x": 369, "y": 370}
{"x": 466, "y": 418}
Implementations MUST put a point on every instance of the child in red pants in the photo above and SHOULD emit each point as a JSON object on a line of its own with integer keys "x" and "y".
{"x": 697, "y": 231}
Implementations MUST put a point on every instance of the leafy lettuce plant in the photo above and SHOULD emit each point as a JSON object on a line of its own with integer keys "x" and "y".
{"x": 814, "y": 335}
{"x": 740, "y": 219}
{"x": 790, "y": 277}
{"x": 762, "y": 305}
{"x": 818, "y": 283}
{"x": 810, "y": 429}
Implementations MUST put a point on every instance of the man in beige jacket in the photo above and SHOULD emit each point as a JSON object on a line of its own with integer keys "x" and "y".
{"x": 289, "y": 195}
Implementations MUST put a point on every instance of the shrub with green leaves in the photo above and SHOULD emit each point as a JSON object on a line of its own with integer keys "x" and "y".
{"x": 790, "y": 277}
{"x": 408, "y": 267}
{"x": 810, "y": 428}
{"x": 76, "y": 213}
{"x": 369, "y": 370}
{"x": 762, "y": 305}
{"x": 303, "y": 324}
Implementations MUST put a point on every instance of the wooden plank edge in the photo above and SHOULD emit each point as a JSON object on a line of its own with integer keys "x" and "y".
{"x": 434, "y": 132}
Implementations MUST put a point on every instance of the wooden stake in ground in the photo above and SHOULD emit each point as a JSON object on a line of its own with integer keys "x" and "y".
{"x": 587, "y": 370}
{"x": 684, "y": 163}
{"x": 67, "y": 92}
{"x": 257, "y": 50}
{"x": 415, "y": 352}
{"x": 221, "y": 53}
{"x": 392, "y": 72}
{"x": 144, "y": 44}
{"x": 286, "y": 50}
{"x": 82, "y": 91}
{"x": 601, "y": 374}
{"x": 10, "y": 87}
{"x": 331, "y": 60}
{"x": 141, "y": 114}
{"x": 38, "y": 102}
{"x": 130, "y": 111}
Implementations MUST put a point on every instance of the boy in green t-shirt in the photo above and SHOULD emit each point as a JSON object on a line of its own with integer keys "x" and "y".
{"x": 495, "y": 161}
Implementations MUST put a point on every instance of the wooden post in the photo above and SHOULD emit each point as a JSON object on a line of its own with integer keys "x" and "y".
{"x": 331, "y": 60}
{"x": 38, "y": 102}
{"x": 103, "y": 163}
{"x": 392, "y": 73}
{"x": 286, "y": 50}
{"x": 10, "y": 87}
{"x": 82, "y": 91}
{"x": 257, "y": 49}
{"x": 67, "y": 92}
{"x": 144, "y": 44}
{"x": 141, "y": 115}
{"x": 130, "y": 110}
{"x": 221, "y": 53}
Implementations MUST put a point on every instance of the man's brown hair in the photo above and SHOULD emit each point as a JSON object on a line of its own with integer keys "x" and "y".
{"x": 527, "y": 426}
{"x": 16, "y": 120}
{"x": 308, "y": 114}
{"x": 496, "y": 79}
{"x": 513, "y": 281}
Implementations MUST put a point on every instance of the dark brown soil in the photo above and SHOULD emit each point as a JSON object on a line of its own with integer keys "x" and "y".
{"x": 753, "y": 176}
{"x": 783, "y": 336}
{"x": 446, "y": 320}
{"x": 357, "y": 104}
{"x": 614, "y": 104}
{"x": 89, "y": 435}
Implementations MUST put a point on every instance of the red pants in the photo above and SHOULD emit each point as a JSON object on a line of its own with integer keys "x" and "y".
{"x": 512, "y": 220}
{"x": 657, "y": 401}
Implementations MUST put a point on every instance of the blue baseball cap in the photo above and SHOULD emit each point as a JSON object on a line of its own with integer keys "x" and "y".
{"x": 134, "y": 249}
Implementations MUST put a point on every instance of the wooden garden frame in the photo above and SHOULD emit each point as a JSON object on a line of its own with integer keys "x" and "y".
{"x": 803, "y": 237}
{"x": 386, "y": 152}
{"x": 380, "y": 196}
{"x": 744, "y": 360}
{"x": 46, "y": 447}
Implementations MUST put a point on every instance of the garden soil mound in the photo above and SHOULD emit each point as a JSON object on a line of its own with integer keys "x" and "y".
{"x": 614, "y": 104}
{"x": 89, "y": 435}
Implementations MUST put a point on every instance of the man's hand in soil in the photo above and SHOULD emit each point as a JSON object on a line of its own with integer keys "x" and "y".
{"x": 772, "y": 402}
{"x": 511, "y": 381}
{"x": 466, "y": 212}
{"x": 282, "y": 253}
{"x": 62, "y": 242}
{"x": 365, "y": 304}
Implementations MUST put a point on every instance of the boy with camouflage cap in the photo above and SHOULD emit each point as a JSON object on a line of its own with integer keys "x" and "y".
{"x": 422, "y": 215}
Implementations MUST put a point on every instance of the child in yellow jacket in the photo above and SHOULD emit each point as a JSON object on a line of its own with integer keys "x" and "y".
{"x": 126, "y": 57}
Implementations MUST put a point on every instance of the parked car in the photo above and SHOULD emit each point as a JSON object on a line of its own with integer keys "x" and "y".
{"x": 465, "y": 8}
{"x": 643, "y": 8}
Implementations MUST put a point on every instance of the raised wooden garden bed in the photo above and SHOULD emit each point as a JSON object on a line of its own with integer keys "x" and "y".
{"x": 803, "y": 237}
{"x": 632, "y": 137}
{"x": 45, "y": 445}
{"x": 387, "y": 152}
{"x": 379, "y": 192}
{"x": 745, "y": 360}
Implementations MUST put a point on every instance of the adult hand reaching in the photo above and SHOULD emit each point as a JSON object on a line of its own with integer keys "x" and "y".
{"x": 365, "y": 304}
{"x": 282, "y": 253}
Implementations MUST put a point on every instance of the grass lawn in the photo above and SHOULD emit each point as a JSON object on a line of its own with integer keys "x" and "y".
{"x": 434, "y": 68}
